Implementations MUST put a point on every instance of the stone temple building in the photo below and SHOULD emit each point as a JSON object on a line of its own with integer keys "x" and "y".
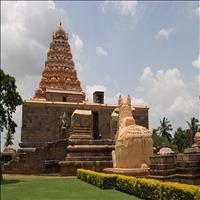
{"x": 61, "y": 131}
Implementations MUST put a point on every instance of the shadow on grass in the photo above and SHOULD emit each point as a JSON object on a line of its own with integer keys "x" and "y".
{"x": 10, "y": 181}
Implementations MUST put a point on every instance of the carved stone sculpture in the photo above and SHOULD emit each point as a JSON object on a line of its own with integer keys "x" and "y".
{"x": 165, "y": 151}
{"x": 134, "y": 144}
{"x": 63, "y": 127}
{"x": 195, "y": 148}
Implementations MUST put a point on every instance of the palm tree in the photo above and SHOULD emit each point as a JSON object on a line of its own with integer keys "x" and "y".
{"x": 164, "y": 129}
{"x": 154, "y": 132}
{"x": 193, "y": 128}
{"x": 181, "y": 139}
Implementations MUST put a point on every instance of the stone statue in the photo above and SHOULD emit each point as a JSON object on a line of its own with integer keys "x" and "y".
{"x": 63, "y": 126}
{"x": 134, "y": 143}
{"x": 165, "y": 151}
{"x": 197, "y": 140}
{"x": 195, "y": 148}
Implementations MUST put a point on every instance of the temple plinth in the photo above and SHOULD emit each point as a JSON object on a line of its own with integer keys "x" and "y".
{"x": 59, "y": 80}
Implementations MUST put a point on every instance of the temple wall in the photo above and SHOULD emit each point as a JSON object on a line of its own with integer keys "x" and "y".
{"x": 41, "y": 120}
{"x": 32, "y": 160}
{"x": 59, "y": 97}
{"x": 141, "y": 117}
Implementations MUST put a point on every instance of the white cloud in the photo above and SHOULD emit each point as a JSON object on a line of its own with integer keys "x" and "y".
{"x": 164, "y": 33}
{"x": 168, "y": 95}
{"x": 124, "y": 7}
{"x": 196, "y": 63}
{"x": 76, "y": 48}
{"x": 77, "y": 45}
{"x": 161, "y": 81}
{"x": 138, "y": 101}
{"x": 26, "y": 34}
{"x": 183, "y": 105}
{"x": 197, "y": 10}
{"x": 101, "y": 51}
{"x": 147, "y": 74}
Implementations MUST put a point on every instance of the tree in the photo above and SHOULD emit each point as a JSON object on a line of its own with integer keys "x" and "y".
{"x": 9, "y": 100}
{"x": 181, "y": 139}
{"x": 193, "y": 128}
{"x": 160, "y": 141}
{"x": 154, "y": 132}
{"x": 9, "y": 139}
{"x": 164, "y": 129}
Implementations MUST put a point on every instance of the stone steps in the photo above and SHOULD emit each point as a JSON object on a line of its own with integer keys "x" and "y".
{"x": 91, "y": 142}
{"x": 82, "y": 137}
{"x": 90, "y": 148}
{"x": 89, "y": 158}
{"x": 88, "y": 154}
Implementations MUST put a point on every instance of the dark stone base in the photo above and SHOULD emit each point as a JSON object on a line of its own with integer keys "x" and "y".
{"x": 181, "y": 178}
{"x": 137, "y": 172}
{"x": 52, "y": 166}
{"x": 70, "y": 167}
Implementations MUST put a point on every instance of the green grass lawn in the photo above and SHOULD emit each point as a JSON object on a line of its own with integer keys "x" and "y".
{"x": 41, "y": 188}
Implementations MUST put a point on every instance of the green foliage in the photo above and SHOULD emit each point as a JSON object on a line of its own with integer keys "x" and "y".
{"x": 181, "y": 139}
{"x": 9, "y": 100}
{"x": 143, "y": 188}
{"x": 9, "y": 139}
{"x": 103, "y": 181}
{"x": 159, "y": 141}
{"x": 165, "y": 128}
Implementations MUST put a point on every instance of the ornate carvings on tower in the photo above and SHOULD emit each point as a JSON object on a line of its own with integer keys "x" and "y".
{"x": 59, "y": 72}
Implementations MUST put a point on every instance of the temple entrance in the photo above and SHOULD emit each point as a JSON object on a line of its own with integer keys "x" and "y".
{"x": 95, "y": 115}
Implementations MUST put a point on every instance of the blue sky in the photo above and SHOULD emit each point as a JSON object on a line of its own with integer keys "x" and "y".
{"x": 149, "y": 50}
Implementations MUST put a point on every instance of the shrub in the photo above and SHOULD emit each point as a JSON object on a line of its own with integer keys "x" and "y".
{"x": 178, "y": 191}
{"x": 104, "y": 181}
{"x": 141, "y": 187}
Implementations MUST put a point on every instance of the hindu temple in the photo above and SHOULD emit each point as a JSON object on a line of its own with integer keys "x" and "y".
{"x": 61, "y": 131}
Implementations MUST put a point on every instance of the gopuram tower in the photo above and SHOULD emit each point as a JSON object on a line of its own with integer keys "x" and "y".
{"x": 59, "y": 80}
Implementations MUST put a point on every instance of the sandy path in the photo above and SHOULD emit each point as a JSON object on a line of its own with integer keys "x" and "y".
{"x": 22, "y": 176}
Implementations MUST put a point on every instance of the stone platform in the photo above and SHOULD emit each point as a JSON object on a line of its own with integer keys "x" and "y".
{"x": 136, "y": 172}
{"x": 69, "y": 167}
{"x": 182, "y": 167}
{"x": 87, "y": 154}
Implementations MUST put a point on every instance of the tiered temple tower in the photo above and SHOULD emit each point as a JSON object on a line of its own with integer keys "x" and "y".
{"x": 59, "y": 79}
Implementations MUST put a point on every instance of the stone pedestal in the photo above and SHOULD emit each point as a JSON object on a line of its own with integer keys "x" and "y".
{"x": 188, "y": 167}
{"x": 162, "y": 166}
{"x": 137, "y": 172}
{"x": 87, "y": 154}
{"x": 81, "y": 125}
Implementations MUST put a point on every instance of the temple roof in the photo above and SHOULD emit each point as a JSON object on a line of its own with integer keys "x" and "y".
{"x": 59, "y": 71}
